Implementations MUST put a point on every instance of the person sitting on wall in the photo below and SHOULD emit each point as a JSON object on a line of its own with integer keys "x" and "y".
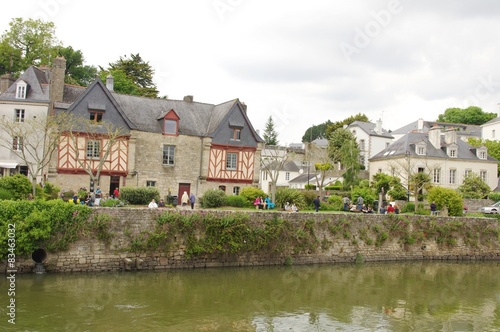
{"x": 152, "y": 204}
{"x": 390, "y": 209}
{"x": 288, "y": 208}
{"x": 257, "y": 202}
{"x": 269, "y": 204}
{"x": 161, "y": 203}
{"x": 294, "y": 208}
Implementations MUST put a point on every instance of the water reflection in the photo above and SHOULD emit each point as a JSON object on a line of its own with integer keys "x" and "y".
{"x": 422, "y": 296}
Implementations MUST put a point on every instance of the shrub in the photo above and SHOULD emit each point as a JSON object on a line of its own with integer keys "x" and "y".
{"x": 292, "y": 196}
{"x": 236, "y": 201}
{"x": 310, "y": 187}
{"x": 408, "y": 207}
{"x": 139, "y": 196}
{"x": 449, "y": 198}
{"x": 213, "y": 199}
{"x": 309, "y": 196}
{"x": 336, "y": 203}
{"x": 19, "y": 185}
{"x": 5, "y": 194}
{"x": 51, "y": 191}
{"x": 494, "y": 196}
{"x": 112, "y": 203}
{"x": 251, "y": 193}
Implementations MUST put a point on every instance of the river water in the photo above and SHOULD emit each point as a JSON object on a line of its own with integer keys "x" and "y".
{"x": 416, "y": 296}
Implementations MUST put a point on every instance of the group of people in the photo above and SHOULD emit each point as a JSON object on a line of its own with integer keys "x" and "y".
{"x": 291, "y": 208}
{"x": 186, "y": 200}
{"x": 263, "y": 204}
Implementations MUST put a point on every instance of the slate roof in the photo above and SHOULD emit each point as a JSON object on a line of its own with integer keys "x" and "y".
{"x": 198, "y": 119}
{"x": 289, "y": 166}
{"x": 406, "y": 144}
{"x": 302, "y": 178}
{"x": 495, "y": 120}
{"x": 464, "y": 129}
{"x": 369, "y": 128}
{"x": 38, "y": 91}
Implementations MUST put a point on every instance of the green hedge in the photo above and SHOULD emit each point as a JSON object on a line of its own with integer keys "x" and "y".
{"x": 139, "y": 196}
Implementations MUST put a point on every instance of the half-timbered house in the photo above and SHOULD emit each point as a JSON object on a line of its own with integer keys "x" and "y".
{"x": 174, "y": 145}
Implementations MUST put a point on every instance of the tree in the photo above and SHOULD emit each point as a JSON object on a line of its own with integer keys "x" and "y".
{"x": 343, "y": 149}
{"x": 270, "y": 134}
{"x": 471, "y": 115}
{"x": 325, "y": 168}
{"x": 34, "y": 39}
{"x": 447, "y": 197}
{"x": 9, "y": 58}
{"x": 140, "y": 73}
{"x": 347, "y": 121}
{"x": 315, "y": 132}
{"x": 33, "y": 141}
{"x": 272, "y": 161}
{"x": 76, "y": 72}
{"x": 474, "y": 187}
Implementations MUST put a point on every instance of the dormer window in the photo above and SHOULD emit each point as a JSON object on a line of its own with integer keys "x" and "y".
{"x": 420, "y": 149}
{"x": 21, "y": 89}
{"x": 236, "y": 134}
{"x": 452, "y": 150}
{"x": 96, "y": 116}
{"x": 482, "y": 153}
{"x": 170, "y": 123}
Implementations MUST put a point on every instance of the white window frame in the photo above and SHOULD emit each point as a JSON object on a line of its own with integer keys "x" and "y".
{"x": 452, "y": 176}
{"x": 17, "y": 143}
{"x": 436, "y": 177}
{"x": 20, "y": 114}
{"x": 232, "y": 161}
{"x": 483, "y": 175}
{"x": 21, "y": 90}
{"x": 168, "y": 155}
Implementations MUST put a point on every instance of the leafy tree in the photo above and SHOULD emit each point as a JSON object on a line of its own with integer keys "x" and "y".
{"x": 251, "y": 193}
{"x": 492, "y": 146}
{"x": 447, "y": 197}
{"x": 76, "y": 72}
{"x": 270, "y": 134}
{"x": 471, "y": 115}
{"x": 34, "y": 39}
{"x": 140, "y": 73}
{"x": 18, "y": 185}
{"x": 122, "y": 83}
{"x": 315, "y": 132}
{"x": 9, "y": 58}
{"x": 474, "y": 187}
{"x": 347, "y": 121}
{"x": 342, "y": 148}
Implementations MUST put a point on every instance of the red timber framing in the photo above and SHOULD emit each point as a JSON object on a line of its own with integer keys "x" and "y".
{"x": 116, "y": 162}
{"x": 244, "y": 172}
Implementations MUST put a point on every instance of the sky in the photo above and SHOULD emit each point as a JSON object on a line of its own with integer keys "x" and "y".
{"x": 302, "y": 63}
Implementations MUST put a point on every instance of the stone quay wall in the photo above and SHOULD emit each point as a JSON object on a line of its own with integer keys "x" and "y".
{"x": 93, "y": 255}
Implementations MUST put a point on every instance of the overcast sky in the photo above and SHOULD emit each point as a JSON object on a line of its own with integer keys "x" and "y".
{"x": 302, "y": 63}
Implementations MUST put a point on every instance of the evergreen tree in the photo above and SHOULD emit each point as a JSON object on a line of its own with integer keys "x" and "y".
{"x": 270, "y": 134}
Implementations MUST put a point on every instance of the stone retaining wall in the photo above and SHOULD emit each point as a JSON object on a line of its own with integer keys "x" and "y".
{"x": 90, "y": 255}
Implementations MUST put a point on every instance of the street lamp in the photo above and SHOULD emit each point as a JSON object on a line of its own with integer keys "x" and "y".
{"x": 408, "y": 193}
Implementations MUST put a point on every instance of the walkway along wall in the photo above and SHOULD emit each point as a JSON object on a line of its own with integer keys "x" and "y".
{"x": 159, "y": 239}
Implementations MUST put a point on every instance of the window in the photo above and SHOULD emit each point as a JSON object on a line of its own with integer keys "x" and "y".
{"x": 17, "y": 143}
{"x": 236, "y": 134}
{"x": 387, "y": 144}
{"x": 169, "y": 155}
{"x": 420, "y": 150}
{"x": 467, "y": 172}
{"x": 436, "y": 177}
{"x": 287, "y": 176}
{"x": 231, "y": 161}
{"x": 96, "y": 116}
{"x": 482, "y": 155}
{"x": 236, "y": 190}
{"x": 93, "y": 149}
{"x": 21, "y": 90}
{"x": 264, "y": 176}
{"x": 150, "y": 183}
{"x": 453, "y": 175}
{"x": 362, "y": 145}
{"x": 482, "y": 175}
{"x": 19, "y": 115}
{"x": 453, "y": 153}
{"x": 170, "y": 127}
{"x": 223, "y": 188}
{"x": 493, "y": 133}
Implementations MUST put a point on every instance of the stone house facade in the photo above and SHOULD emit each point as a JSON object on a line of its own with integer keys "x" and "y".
{"x": 174, "y": 145}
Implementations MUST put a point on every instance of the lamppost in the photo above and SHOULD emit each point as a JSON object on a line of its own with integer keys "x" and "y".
{"x": 408, "y": 193}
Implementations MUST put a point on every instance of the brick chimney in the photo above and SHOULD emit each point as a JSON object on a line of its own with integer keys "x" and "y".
{"x": 188, "y": 99}
{"x": 57, "y": 79}
{"x": 6, "y": 81}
